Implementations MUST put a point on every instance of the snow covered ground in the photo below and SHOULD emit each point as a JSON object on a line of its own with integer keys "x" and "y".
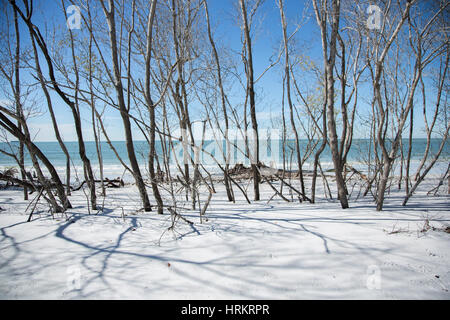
{"x": 266, "y": 250}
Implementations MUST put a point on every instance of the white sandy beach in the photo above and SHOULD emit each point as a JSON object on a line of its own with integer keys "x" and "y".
{"x": 266, "y": 250}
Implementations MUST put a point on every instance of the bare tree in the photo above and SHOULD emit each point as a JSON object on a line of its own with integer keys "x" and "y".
{"x": 248, "y": 60}
{"x": 151, "y": 108}
{"x": 61, "y": 143}
{"x": 227, "y": 182}
{"x": 323, "y": 15}
{"x": 423, "y": 56}
{"x": 22, "y": 133}
{"x": 288, "y": 95}
{"x": 124, "y": 111}
{"x": 17, "y": 99}
{"x": 36, "y": 153}
{"x": 73, "y": 105}
{"x": 430, "y": 126}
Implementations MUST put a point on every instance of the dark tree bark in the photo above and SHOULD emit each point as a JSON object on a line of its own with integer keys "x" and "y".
{"x": 37, "y": 36}
{"x": 52, "y": 116}
{"x": 35, "y": 152}
{"x": 289, "y": 99}
{"x": 329, "y": 54}
{"x": 17, "y": 101}
{"x": 151, "y": 109}
{"x": 251, "y": 94}
{"x": 124, "y": 112}
{"x": 227, "y": 182}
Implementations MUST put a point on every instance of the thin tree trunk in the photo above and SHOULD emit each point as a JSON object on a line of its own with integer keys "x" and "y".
{"x": 251, "y": 92}
{"x": 123, "y": 109}
{"x": 408, "y": 159}
{"x": 289, "y": 99}
{"x": 17, "y": 101}
{"x": 52, "y": 116}
{"x": 151, "y": 109}
{"x": 329, "y": 61}
{"x": 228, "y": 186}
{"x": 428, "y": 168}
{"x": 87, "y": 168}
{"x": 93, "y": 117}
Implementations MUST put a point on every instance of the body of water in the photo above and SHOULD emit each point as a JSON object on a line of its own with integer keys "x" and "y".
{"x": 270, "y": 152}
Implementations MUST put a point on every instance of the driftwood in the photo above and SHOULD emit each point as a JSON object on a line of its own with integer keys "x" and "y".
{"x": 268, "y": 174}
{"x": 115, "y": 183}
{"x": 31, "y": 184}
{"x": 239, "y": 171}
{"x": 13, "y": 180}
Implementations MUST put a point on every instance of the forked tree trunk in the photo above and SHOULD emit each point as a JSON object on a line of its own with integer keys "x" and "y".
{"x": 323, "y": 15}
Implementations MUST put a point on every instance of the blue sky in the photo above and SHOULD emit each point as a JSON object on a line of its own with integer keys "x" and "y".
{"x": 224, "y": 15}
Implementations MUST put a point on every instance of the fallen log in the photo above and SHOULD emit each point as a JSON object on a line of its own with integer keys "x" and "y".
{"x": 115, "y": 183}
{"x": 13, "y": 180}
